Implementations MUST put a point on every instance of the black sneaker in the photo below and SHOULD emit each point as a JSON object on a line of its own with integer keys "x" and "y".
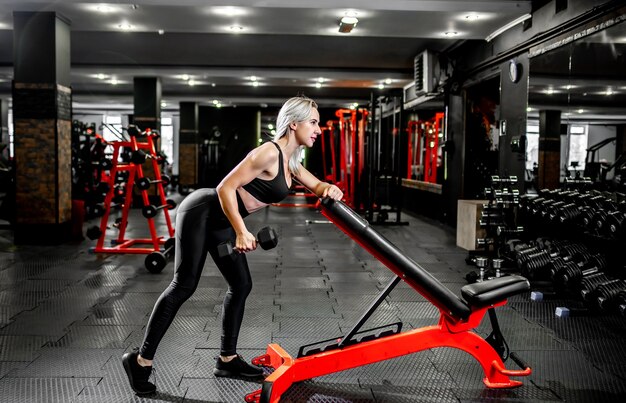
{"x": 137, "y": 375}
{"x": 237, "y": 367}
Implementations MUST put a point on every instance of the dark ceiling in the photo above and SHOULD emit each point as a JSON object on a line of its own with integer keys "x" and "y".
{"x": 288, "y": 45}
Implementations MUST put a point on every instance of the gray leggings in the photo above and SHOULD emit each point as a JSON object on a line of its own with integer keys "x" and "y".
{"x": 200, "y": 227}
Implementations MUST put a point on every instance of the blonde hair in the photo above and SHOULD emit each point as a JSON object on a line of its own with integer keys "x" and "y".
{"x": 294, "y": 110}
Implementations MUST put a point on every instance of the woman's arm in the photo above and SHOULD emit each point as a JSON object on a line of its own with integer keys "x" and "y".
{"x": 321, "y": 189}
{"x": 254, "y": 164}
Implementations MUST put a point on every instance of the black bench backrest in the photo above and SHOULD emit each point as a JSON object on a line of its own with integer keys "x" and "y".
{"x": 412, "y": 273}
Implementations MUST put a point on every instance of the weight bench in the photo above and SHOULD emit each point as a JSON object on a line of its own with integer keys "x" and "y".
{"x": 357, "y": 348}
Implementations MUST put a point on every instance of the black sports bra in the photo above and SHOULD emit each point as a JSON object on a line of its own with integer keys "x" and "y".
{"x": 273, "y": 190}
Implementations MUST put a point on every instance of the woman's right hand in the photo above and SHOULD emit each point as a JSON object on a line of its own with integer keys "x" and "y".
{"x": 245, "y": 242}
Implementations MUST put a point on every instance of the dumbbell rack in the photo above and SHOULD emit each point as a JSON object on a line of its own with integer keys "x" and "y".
{"x": 498, "y": 219}
{"x": 130, "y": 246}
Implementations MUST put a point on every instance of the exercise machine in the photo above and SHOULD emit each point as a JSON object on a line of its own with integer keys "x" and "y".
{"x": 357, "y": 348}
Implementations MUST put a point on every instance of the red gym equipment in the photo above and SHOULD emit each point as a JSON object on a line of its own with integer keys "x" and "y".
{"x": 423, "y": 147}
{"x": 143, "y": 150}
{"x": 458, "y": 317}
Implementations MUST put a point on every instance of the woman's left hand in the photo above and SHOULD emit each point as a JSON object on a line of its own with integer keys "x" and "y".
{"x": 333, "y": 192}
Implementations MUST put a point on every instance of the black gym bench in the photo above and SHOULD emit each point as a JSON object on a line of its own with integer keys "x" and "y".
{"x": 458, "y": 317}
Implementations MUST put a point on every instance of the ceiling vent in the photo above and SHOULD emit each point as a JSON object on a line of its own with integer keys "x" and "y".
{"x": 424, "y": 72}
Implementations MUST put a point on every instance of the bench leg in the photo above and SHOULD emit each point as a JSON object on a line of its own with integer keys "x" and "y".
{"x": 289, "y": 370}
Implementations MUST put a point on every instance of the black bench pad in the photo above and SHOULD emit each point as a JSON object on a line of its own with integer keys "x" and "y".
{"x": 491, "y": 291}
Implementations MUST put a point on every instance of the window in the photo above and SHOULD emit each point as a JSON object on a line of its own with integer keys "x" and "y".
{"x": 577, "y": 150}
{"x": 167, "y": 139}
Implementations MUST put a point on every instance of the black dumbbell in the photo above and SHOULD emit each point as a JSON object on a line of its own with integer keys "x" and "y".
{"x": 94, "y": 232}
{"x": 151, "y": 211}
{"x": 99, "y": 209}
{"x": 139, "y": 157}
{"x": 266, "y": 238}
{"x": 106, "y": 164}
{"x": 144, "y": 183}
{"x": 156, "y": 261}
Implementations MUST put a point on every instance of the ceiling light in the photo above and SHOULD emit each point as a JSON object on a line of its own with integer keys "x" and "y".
{"x": 472, "y": 17}
{"x": 191, "y": 82}
{"x": 529, "y": 109}
{"x": 161, "y": 31}
{"x": 508, "y": 26}
{"x": 229, "y": 11}
{"x": 101, "y": 76}
{"x": 580, "y": 110}
{"x": 103, "y": 8}
{"x": 212, "y": 84}
{"x": 273, "y": 132}
{"x": 255, "y": 83}
{"x": 215, "y": 102}
{"x": 253, "y": 78}
{"x": 125, "y": 26}
{"x": 321, "y": 80}
{"x": 381, "y": 86}
{"x": 185, "y": 77}
{"x": 609, "y": 92}
{"x": 348, "y": 22}
{"x": 218, "y": 105}
{"x": 450, "y": 34}
{"x": 352, "y": 107}
{"x": 388, "y": 81}
{"x": 270, "y": 126}
{"x": 163, "y": 104}
{"x": 235, "y": 28}
{"x": 318, "y": 85}
{"x": 550, "y": 91}
{"x": 114, "y": 81}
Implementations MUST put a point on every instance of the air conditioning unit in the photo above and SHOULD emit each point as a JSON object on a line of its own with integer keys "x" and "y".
{"x": 425, "y": 75}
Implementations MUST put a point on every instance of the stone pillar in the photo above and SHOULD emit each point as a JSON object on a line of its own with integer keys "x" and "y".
{"x": 42, "y": 102}
{"x": 188, "y": 145}
{"x": 549, "y": 149}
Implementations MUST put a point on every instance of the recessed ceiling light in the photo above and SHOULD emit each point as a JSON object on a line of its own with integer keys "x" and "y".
{"x": 580, "y": 110}
{"x": 270, "y": 126}
{"x": 163, "y": 104}
{"x": 185, "y": 77}
{"x": 550, "y": 91}
{"x": 388, "y": 81}
{"x": 236, "y": 28}
{"x": 318, "y": 85}
{"x": 191, "y": 82}
{"x": 381, "y": 86}
{"x": 450, "y": 33}
{"x": 321, "y": 80}
{"x": 161, "y": 31}
{"x": 348, "y": 22}
{"x": 212, "y": 84}
{"x": 529, "y": 109}
{"x": 215, "y": 102}
{"x": 255, "y": 83}
{"x": 114, "y": 81}
{"x": 101, "y": 76}
{"x": 229, "y": 11}
{"x": 125, "y": 26}
{"x": 253, "y": 78}
{"x": 472, "y": 17}
{"x": 609, "y": 92}
{"x": 103, "y": 8}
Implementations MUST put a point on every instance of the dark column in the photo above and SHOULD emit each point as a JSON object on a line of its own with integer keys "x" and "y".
{"x": 147, "y": 115}
{"x": 42, "y": 122}
{"x": 513, "y": 104}
{"x": 147, "y": 102}
{"x": 4, "y": 122}
{"x": 549, "y": 149}
{"x": 620, "y": 136}
{"x": 188, "y": 145}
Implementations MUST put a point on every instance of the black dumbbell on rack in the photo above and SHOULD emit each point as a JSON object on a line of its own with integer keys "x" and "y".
{"x": 156, "y": 261}
{"x": 266, "y": 238}
{"x": 151, "y": 210}
{"x": 144, "y": 183}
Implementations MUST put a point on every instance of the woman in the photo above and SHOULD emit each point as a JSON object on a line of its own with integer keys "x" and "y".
{"x": 208, "y": 217}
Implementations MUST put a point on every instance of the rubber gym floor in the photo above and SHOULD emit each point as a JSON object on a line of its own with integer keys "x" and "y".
{"x": 67, "y": 316}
